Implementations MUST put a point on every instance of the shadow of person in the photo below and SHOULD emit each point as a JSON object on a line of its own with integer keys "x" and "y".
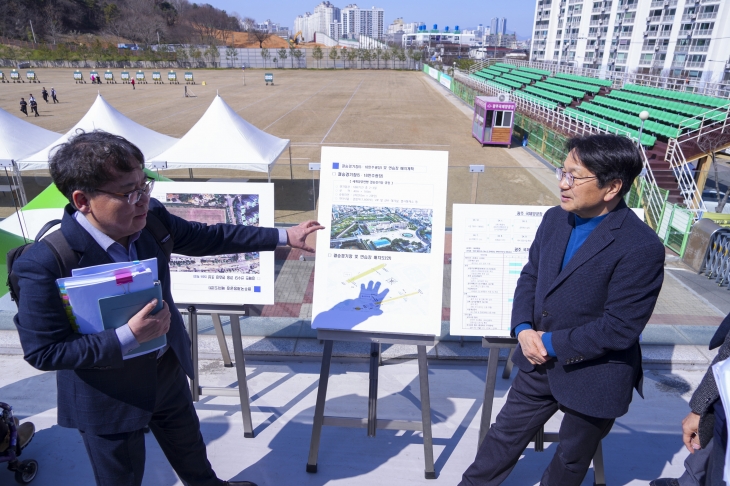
{"x": 349, "y": 313}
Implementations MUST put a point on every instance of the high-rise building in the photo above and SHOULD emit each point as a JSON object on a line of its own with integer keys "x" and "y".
{"x": 676, "y": 38}
{"x": 325, "y": 14}
{"x": 357, "y": 21}
{"x": 498, "y": 26}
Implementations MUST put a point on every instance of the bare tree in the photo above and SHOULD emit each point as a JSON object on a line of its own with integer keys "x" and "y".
{"x": 282, "y": 55}
{"x": 54, "y": 26}
{"x": 334, "y": 55}
{"x": 710, "y": 143}
{"x": 248, "y": 24}
{"x": 265, "y": 55}
{"x": 261, "y": 36}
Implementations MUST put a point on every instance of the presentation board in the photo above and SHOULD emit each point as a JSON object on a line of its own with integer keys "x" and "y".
{"x": 232, "y": 279}
{"x": 379, "y": 265}
{"x": 490, "y": 245}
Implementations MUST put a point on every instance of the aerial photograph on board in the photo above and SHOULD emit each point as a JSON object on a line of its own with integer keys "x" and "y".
{"x": 381, "y": 229}
{"x": 242, "y": 209}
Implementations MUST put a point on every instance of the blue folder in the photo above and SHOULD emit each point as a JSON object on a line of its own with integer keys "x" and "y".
{"x": 118, "y": 310}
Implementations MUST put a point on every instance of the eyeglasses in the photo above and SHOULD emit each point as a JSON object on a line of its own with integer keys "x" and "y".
{"x": 569, "y": 178}
{"x": 133, "y": 197}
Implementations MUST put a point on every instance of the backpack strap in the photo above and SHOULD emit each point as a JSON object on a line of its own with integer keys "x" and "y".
{"x": 161, "y": 233}
{"x": 66, "y": 258}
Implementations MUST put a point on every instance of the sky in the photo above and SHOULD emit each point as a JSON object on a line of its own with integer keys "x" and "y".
{"x": 464, "y": 13}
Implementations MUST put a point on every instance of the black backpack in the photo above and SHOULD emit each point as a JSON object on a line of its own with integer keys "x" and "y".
{"x": 67, "y": 259}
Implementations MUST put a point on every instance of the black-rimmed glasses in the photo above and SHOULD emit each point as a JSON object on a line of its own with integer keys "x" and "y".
{"x": 569, "y": 178}
{"x": 134, "y": 196}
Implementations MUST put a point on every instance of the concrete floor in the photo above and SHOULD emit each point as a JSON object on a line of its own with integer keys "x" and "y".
{"x": 643, "y": 445}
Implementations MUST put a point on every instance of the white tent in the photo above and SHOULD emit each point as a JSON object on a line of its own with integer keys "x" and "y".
{"x": 18, "y": 138}
{"x": 102, "y": 116}
{"x": 223, "y": 140}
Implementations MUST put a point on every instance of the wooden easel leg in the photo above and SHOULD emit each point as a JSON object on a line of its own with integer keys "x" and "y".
{"x": 599, "y": 474}
{"x": 508, "y": 365}
{"x": 373, "y": 390}
{"x": 430, "y": 472}
{"x": 324, "y": 375}
{"x": 241, "y": 374}
{"x": 492, "y": 363}
{"x": 221, "y": 340}
{"x": 193, "y": 324}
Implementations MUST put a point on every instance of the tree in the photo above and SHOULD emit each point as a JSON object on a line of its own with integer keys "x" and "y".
{"x": 416, "y": 55}
{"x": 317, "y": 54}
{"x": 212, "y": 53}
{"x": 298, "y": 54}
{"x": 265, "y": 55}
{"x": 387, "y": 56}
{"x": 54, "y": 26}
{"x": 231, "y": 54}
{"x": 368, "y": 56}
{"x": 710, "y": 143}
{"x": 334, "y": 55}
{"x": 261, "y": 36}
{"x": 378, "y": 53}
{"x": 361, "y": 55}
{"x": 195, "y": 54}
{"x": 248, "y": 24}
{"x": 282, "y": 55}
{"x": 401, "y": 56}
{"x": 292, "y": 48}
{"x": 351, "y": 56}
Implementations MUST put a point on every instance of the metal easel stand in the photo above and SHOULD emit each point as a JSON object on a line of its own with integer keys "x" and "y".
{"x": 372, "y": 423}
{"x": 242, "y": 390}
{"x": 495, "y": 344}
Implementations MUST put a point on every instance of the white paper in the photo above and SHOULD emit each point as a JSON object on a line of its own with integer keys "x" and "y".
{"x": 150, "y": 263}
{"x": 83, "y": 294}
{"x": 490, "y": 245}
{"x": 236, "y": 279}
{"x": 379, "y": 265}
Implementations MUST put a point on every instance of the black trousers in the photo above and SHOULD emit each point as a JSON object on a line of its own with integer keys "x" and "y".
{"x": 529, "y": 405}
{"x": 119, "y": 459}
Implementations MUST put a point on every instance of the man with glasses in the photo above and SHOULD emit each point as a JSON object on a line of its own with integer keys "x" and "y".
{"x": 108, "y": 399}
{"x": 582, "y": 300}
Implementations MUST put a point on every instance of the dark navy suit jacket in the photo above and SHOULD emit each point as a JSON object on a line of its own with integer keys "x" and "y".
{"x": 596, "y": 307}
{"x": 98, "y": 392}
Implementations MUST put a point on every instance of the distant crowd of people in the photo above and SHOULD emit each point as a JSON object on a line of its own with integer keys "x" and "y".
{"x": 34, "y": 104}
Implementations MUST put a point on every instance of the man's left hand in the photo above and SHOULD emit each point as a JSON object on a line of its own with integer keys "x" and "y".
{"x": 297, "y": 235}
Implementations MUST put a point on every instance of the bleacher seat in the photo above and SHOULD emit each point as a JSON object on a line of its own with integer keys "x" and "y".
{"x": 535, "y": 71}
{"x": 536, "y": 99}
{"x": 689, "y": 111}
{"x": 590, "y": 88}
{"x": 585, "y": 79}
{"x": 685, "y": 96}
{"x": 628, "y": 120}
{"x": 558, "y": 98}
{"x": 647, "y": 140}
{"x": 518, "y": 79}
{"x": 670, "y": 119}
{"x": 573, "y": 93}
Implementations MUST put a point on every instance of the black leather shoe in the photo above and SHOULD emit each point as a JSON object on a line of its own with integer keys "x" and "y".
{"x": 664, "y": 482}
{"x": 239, "y": 483}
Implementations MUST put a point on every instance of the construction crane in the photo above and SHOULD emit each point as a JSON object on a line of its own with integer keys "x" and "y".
{"x": 295, "y": 40}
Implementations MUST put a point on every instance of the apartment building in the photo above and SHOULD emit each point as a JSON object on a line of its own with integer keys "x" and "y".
{"x": 675, "y": 38}
{"x": 358, "y": 21}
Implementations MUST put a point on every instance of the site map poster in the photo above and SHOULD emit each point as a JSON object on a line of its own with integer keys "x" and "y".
{"x": 379, "y": 265}
{"x": 230, "y": 279}
{"x": 490, "y": 245}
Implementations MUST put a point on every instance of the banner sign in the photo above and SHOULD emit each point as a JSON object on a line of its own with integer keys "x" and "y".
{"x": 231, "y": 279}
{"x": 379, "y": 265}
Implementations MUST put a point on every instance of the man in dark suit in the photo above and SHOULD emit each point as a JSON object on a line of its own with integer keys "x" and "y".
{"x": 582, "y": 300}
{"x": 108, "y": 399}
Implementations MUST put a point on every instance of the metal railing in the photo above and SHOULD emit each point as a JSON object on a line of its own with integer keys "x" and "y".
{"x": 684, "y": 175}
{"x": 557, "y": 120}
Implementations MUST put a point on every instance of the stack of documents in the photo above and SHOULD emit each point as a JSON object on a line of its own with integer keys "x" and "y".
{"x": 108, "y": 296}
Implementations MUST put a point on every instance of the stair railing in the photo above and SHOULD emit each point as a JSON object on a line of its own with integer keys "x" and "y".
{"x": 685, "y": 178}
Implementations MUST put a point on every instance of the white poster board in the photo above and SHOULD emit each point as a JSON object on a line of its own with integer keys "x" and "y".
{"x": 379, "y": 264}
{"x": 490, "y": 245}
{"x": 234, "y": 279}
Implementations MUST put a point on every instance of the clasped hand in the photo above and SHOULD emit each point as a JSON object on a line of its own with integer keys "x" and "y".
{"x": 532, "y": 346}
